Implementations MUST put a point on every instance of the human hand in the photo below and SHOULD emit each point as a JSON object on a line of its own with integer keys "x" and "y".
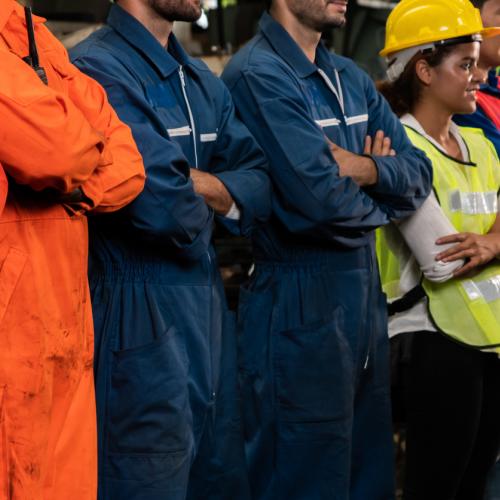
{"x": 479, "y": 249}
{"x": 213, "y": 190}
{"x": 380, "y": 145}
{"x": 360, "y": 168}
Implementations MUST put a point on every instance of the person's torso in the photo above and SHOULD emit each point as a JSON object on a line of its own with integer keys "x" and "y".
{"x": 336, "y": 101}
{"x": 43, "y": 245}
{"x": 186, "y": 107}
{"x": 468, "y": 194}
{"x": 184, "y": 103}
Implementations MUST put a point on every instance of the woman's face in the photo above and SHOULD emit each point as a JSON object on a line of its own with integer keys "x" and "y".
{"x": 453, "y": 84}
{"x": 490, "y": 48}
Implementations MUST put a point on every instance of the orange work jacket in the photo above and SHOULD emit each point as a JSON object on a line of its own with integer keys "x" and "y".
{"x": 53, "y": 139}
{"x": 4, "y": 185}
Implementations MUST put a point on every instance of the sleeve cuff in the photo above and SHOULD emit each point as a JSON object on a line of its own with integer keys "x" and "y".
{"x": 234, "y": 213}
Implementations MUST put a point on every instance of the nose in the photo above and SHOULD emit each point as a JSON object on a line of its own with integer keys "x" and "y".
{"x": 479, "y": 75}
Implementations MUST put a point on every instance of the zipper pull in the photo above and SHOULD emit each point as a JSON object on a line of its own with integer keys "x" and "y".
{"x": 181, "y": 76}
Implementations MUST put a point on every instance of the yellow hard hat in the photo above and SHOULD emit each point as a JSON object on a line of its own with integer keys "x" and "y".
{"x": 418, "y": 22}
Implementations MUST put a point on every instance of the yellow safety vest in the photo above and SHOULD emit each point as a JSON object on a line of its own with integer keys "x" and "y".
{"x": 466, "y": 309}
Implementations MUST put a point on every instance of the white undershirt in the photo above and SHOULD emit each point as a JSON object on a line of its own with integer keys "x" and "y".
{"x": 416, "y": 249}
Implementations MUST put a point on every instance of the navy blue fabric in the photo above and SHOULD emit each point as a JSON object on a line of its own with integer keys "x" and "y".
{"x": 312, "y": 320}
{"x": 479, "y": 118}
{"x": 165, "y": 353}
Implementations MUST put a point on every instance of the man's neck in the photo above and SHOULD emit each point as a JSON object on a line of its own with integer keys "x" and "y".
{"x": 306, "y": 38}
{"x": 158, "y": 26}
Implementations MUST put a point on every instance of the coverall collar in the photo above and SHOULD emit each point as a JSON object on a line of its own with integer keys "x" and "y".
{"x": 165, "y": 61}
{"x": 492, "y": 85}
{"x": 7, "y": 7}
{"x": 288, "y": 49}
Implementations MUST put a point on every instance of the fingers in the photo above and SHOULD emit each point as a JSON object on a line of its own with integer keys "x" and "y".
{"x": 458, "y": 252}
{"x": 380, "y": 145}
{"x": 452, "y": 238}
{"x": 368, "y": 145}
{"x": 467, "y": 268}
{"x": 465, "y": 247}
{"x": 386, "y": 146}
{"x": 378, "y": 142}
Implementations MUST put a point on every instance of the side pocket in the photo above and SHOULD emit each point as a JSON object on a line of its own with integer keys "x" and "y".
{"x": 254, "y": 358}
{"x": 149, "y": 399}
{"x": 11, "y": 271}
{"x": 314, "y": 371}
{"x": 253, "y": 329}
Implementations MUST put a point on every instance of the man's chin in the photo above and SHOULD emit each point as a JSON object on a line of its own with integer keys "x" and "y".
{"x": 187, "y": 17}
{"x": 334, "y": 22}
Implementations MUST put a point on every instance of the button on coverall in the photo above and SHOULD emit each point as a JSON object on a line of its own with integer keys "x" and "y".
{"x": 165, "y": 344}
{"x": 314, "y": 367}
{"x": 53, "y": 139}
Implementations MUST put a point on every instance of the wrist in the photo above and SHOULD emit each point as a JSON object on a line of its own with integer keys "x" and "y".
{"x": 372, "y": 170}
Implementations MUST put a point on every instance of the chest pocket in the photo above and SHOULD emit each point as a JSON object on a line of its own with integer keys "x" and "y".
{"x": 208, "y": 137}
{"x": 170, "y": 114}
{"x": 160, "y": 96}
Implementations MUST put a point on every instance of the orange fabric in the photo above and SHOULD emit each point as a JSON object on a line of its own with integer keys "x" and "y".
{"x": 3, "y": 189}
{"x": 491, "y": 106}
{"x": 54, "y": 138}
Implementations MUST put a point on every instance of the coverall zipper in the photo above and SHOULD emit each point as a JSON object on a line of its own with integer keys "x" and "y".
{"x": 336, "y": 92}
{"x": 191, "y": 119}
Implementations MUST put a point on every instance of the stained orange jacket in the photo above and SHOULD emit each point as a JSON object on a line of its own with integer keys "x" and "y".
{"x": 3, "y": 189}
{"x": 53, "y": 139}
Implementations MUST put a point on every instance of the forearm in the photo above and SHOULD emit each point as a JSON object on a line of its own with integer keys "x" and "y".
{"x": 420, "y": 232}
{"x": 212, "y": 190}
{"x": 364, "y": 172}
{"x": 46, "y": 140}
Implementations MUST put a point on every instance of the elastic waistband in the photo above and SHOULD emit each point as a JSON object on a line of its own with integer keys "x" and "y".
{"x": 362, "y": 257}
{"x": 173, "y": 273}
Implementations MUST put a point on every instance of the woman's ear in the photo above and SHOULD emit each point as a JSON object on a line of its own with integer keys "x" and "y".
{"x": 423, "y": 71}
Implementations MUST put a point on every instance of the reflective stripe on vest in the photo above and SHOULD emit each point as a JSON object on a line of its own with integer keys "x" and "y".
{"x": 473, "y": 203}
{"x": 468, "y": 309}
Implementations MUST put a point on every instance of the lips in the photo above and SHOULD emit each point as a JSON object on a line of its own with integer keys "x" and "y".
{"x": 339, "y": 5}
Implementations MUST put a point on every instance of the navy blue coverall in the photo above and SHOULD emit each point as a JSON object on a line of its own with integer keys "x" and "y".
{"x": 314, "y": 347}
{"x": 165, "y": 348}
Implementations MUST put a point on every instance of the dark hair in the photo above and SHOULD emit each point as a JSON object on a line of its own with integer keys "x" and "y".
{"x": 478, "y": 3}
{"x": 404, "y": 93}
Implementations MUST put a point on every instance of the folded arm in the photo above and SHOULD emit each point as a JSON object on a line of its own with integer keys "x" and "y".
{"x": 46, "y": 141}
{"x": 168, "y": 211}
{"x": 311, "y": 197}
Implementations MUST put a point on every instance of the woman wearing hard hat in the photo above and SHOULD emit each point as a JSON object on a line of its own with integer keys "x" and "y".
{"x": 440, "y": 270}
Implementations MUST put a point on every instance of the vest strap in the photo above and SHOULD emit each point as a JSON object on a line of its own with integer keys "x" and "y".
{"x": 407, "y": 301}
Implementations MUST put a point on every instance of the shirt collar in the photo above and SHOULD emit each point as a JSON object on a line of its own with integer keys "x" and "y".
{"x": 409, "y": 120}
{"x": 288, "y": 49}
{"x": 165, "y": 61}
{"x": 8, "y": 7}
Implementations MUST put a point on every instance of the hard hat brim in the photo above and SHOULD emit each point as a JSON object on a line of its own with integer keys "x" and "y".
{"x": 491, "y": 31}
{"x": 485, "y": 33}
